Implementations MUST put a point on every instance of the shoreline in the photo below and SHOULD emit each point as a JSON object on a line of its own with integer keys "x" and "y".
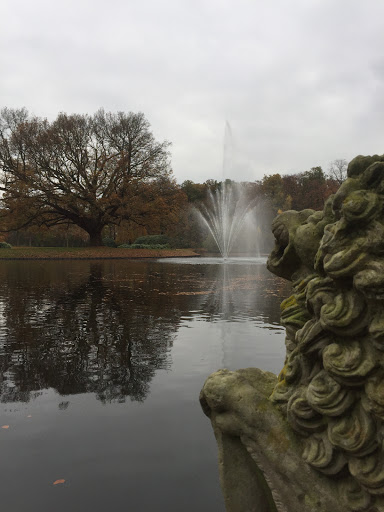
{"x": 91, "y": 253}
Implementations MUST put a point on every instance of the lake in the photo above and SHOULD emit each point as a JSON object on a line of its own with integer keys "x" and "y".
{"x": 102, "y": 363}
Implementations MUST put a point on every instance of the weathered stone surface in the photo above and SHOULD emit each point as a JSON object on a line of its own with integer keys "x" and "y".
{"x": 312, "y": 438}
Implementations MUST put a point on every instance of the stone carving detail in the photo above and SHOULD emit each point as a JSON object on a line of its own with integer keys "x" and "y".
{"x": 330, "y": 393}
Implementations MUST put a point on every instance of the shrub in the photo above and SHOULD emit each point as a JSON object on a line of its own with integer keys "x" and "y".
{"x": 144, "y": 246}
{"x": 5, "y": 245}
{"x": 179, "y": 243}
{"x": 109, "y": 242}
{"x": 209, "y": 244}
{"x": 152, "y": 240}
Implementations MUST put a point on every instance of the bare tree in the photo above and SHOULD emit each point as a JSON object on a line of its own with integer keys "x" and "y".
{"x": 84, "y": 169}
{"x": 338, "y": 170}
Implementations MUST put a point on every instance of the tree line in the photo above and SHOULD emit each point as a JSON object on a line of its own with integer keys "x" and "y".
{"x": 81, "y": 178}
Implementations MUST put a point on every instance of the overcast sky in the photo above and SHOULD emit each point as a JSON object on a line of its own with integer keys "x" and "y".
{"x": 299, "y": 81}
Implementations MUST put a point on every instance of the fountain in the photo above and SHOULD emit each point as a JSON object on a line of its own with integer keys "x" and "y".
{"x": 227, "y": 213}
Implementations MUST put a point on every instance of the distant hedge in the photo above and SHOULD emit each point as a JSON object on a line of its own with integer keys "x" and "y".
{"x": 152, "y": 240}
{"x": 109, "y": 242}
{"x": 144, "y": 246}
{"x": 5, "y": 245}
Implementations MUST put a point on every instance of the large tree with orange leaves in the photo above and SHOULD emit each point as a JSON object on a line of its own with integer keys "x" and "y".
{"x": 91, "y": 171}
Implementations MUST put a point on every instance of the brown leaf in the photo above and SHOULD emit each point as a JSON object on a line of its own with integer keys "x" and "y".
{"x": 60, "y": 481}
{"x": 5, "y": 426}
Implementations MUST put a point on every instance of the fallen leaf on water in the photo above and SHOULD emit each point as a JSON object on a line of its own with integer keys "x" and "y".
{"x": 29, "y": 416}
{"x": 5, "y": 426}
{"x": 60, "y": 481}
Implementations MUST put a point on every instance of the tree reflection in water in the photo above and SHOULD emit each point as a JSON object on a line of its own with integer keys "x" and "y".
{"x": 80, "y": 335}
{"x": 107, "y": 327}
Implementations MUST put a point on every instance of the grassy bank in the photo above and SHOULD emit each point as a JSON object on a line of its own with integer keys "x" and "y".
{"x": 90, "y": 253}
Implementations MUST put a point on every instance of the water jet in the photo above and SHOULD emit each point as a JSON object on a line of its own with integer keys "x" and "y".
{"x": 227, "y": 214}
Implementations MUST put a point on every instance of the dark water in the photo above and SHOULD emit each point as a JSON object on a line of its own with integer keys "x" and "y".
{"x": 101, "y": 367}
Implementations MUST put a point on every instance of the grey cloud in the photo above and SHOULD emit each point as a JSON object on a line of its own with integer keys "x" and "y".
{"x": 300, "y": 81}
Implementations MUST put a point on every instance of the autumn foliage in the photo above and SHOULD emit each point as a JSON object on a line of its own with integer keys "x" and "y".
{"x": 90, "y": 171}
{"x": 80, "y": 178}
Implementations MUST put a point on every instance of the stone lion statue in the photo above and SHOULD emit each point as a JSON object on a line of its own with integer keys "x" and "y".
{"x": 312, "y": 439}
